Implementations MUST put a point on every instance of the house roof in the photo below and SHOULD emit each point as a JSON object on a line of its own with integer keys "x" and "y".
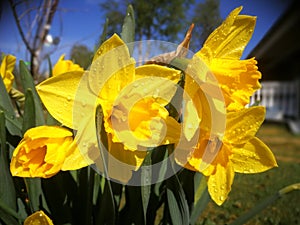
{"x": 278, "y": 53}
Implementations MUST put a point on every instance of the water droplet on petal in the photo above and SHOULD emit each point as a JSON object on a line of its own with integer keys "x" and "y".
{"x": 123, "y": 118}
{"x": 189, "y": 126}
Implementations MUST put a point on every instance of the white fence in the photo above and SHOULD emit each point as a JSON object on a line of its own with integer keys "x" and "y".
{"x": 281, "y": 99}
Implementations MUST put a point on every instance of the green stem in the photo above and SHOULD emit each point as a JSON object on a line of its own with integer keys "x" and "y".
{"x": 263, "y": 204}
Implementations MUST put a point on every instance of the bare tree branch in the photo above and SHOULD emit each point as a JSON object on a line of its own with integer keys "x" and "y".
{"x": 18, "y": 22}
{"x": 37, "y": 27}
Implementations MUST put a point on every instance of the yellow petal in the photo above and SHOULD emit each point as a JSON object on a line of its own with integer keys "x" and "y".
{"x": 238, "y": 79}
{"x": 43, "y": 151}
{"x": 253, "y": 157}
{"x": 38, "y": 218}
{"x": 133, "y": 159}
{"x": 74, "y": 158}
{"x": 191, "y": 119}
{"x": 219, "y": 183}
{"x": 47, "y": 131}
{"x": 6, "y": 69}
{"x": 242, "y": 126}
{"x": 59, "y": 94}
{"x": 231, "y": 37}
{"x": 8, "y": 64}
{"x": 154, "y": 70}
{"x": 56, "y": 153}
{"x": 113, "y": 42}
{"x": 112, "y": 70}
{"x": 120, "y": 163}
{"x": 63, "y": 66}
{"x": 146, "y": 124}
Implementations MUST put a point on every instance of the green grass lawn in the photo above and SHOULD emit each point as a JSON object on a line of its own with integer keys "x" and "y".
{"x": 248, "y": 190}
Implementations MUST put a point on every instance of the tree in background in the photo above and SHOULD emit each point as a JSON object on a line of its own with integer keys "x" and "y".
{"x": 33, "y": 20}
{"x": 81, "y": 55}
{"x": 157, "y": 19}
{"x": 206, "y": 17}
{"x": 162, "y": 19}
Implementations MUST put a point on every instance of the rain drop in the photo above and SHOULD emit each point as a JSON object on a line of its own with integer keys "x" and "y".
{"x": 123, "y": 118}
{"x": 69, "y": 98}
{"x": 156, "y": 93}
{"x": 189, "y": 126}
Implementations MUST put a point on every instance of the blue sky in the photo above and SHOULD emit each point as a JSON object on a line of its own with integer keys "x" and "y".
{"x": 80, "y": 22}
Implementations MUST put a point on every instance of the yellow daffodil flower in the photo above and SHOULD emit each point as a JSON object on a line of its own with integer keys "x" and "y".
{"x": 222, "y": 51}
{"x": 221, "y": 77}
{"x": 231, "y": 145}
{"x": 7, "y": 67}
{"x": 38, "y": 218}
{"x": 44, "y": 151}
{"x": 240, "y": 151}
{"x": 134, "y": 118}
{"x": 63, "y": 66}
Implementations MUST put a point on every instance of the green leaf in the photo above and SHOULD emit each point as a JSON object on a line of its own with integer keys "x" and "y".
{"x": 8, "y": 215}
{"x": 28, "y": 83}
{"x": 51, "y": 121}
{"x": 106, "y": 204}
{"x": 132, "y": 212}
{"x": 35, "y": 194}
{"x": 128, "y": 28}
{"x": 12, "y": 123}
{"x": 29, "y": 111}
{"x": 60, "y": 190}
{"x": 21, "y": 210}
{"x": 177, "y": 203}
{"x": 103, "y": 35}
{"x": 7, "y": 189}
{"x": 50, "y": 66}
{"x": 158, "y": 157}
{"x": 201, "y": 198}
{"x": 85, "y": 198}
{"x": 186, "y": 178}
{"x": 146, "y": 177}
{"x": 264, "y": 203}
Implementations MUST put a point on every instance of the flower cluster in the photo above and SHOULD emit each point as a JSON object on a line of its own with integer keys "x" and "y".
{"x": 135, "y": 118}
